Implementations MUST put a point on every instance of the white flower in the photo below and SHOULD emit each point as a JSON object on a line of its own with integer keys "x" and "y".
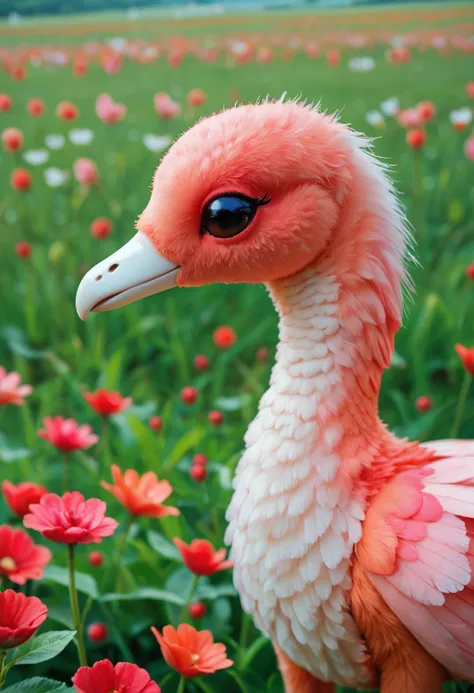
{"x": 36, "y": 157}
{"x": 81, "y": 137}
{"x": 390, "y": 107}
{"x": 374, "y": 118}
{"x": 132, "y": 13}
{"x": 156, "y": 143}
{"x": 54, "y": 141}
{"x": 118, "y": 44}
{"x": 55, "y": 177}
{"x": 461, "y": 116}
{"x": 363, "y": 64}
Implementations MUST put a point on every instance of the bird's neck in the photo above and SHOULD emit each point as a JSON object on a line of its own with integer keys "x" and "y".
{"x": 335, "y": 342}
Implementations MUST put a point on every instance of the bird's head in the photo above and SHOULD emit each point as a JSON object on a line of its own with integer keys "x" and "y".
{"x": 252, "y": 194}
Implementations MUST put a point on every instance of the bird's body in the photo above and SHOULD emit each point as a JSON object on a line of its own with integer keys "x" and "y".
{"x": 352, "y": 549}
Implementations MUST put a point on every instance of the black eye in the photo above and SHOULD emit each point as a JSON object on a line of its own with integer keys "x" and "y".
{"x": 228, "y": 215}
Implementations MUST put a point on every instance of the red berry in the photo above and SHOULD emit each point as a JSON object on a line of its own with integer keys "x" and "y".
{"x": 35, "y": 107}
{"x": 424, "y": 403}
{"x": 67, "y": 111}
{"x": 96, "y": 559}
{"x": 198, "y": 472}
{"x": 5, "y": 102}
{"x": 261, "y": 355}
{"x": 197, "y": 610}
{"x": 23, "y": 249}
{"x": 155, "y": 423}
{"x": 97, "y": 632}
{"x": 101, "y": 227}
{"x": 200, "y": 459}
{"x": 189, "y": 394}
{"x": 201, "y": 362}
{"x": 224, "y": 337}
{"x": 216, "y": 418}
{"x": 470, "y": 271}
{"x": 427, "y": 110}
{"x": 21, "y": 179}
{"x": 416, "y": 138}
{"x": 12, "y": 139}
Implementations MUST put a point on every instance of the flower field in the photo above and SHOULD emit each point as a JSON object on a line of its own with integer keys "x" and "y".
{"x": 119, "y": 436}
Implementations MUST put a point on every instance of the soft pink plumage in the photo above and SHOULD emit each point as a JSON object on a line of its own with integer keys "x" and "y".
{"x": 352, "y": 549}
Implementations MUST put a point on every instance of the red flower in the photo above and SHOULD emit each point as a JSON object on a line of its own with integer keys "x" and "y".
{"x": 20, "y": 618}
{"x": 96, "y": 559}
{"x": 20, "y": 558}
{"x": 12, "y": 139}
{"x": 67, "y": 111}
{"x": 333, "y": 58}
{"x": 199, "y": 459}
{"x": 469, "y": 91}
{"x": 140, "y": 495}
{"x": 191, "y": 652}
{"x": 470, "y": 271}
{"x": 196, "y": 97}
{"x": 5, "y": 102}
{"x": 201, "y": 558}
{"x": 427, "y": 110}
{"x": 21, "y": 179}
{"x": 101, "y": 227}
{"x": 197, "y": 610}
{"x": 224, "y": 337}
{"x": 189, "y": 395}
{"x": 416, "y": 138}
{"x": 155, "y": 423}
{"x": 106, "y": 403}
{"x": 35, "y": 107}
{"x": 104, "y": 677}
{"x": 66, "y": 434}
{"x": 70, "y": 519}
{"x": 11, "y": 390}
{"x": 201, "y": 362}
{"x": 424, "y": 403}
{"x": 97, "y": 632}
{"x": 216, "y": 418}
{"x": 198, "y": 473}
{"x": 23, "y": 249}
{"x": 21, "y": 496}
{"x": 467, "y": 357}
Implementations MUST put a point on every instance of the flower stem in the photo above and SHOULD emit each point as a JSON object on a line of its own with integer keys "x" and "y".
{"x": 121, "y": 548}
{"x": 461, "y": 402}
{"x": 184, "y": 610}
{"x": 244, "y": 631}
{"x": 3, "y": 656}
{"x": 76, "y": 616}
{"x": 65, "y": 474}
{"x": 182, "y": 685}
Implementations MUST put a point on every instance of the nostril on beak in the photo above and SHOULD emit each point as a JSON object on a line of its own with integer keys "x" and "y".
{"x": 113, "y": 267}
{"x": 99, "y": 276}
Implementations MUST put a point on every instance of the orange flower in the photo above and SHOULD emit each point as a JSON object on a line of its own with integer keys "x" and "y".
{"x": 140, "y": 495}
{"x": 192, "y": 652}
{"x": 201, "y": 558}
{"x": 467, "y": 357}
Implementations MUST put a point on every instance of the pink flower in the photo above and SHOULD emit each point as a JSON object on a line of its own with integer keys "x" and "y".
{"x": 70, "y": 519}
{"x": 11, "y": 392}
{"x": 66, "y": 434}
{"x": 468, "y": 150}
{"x": 409, "y": 118}
{"x": 108, "y": 110}
{"x": 166, "y": 107}
{"x": 85, "y": 172}
{"x": 20, "y": 558}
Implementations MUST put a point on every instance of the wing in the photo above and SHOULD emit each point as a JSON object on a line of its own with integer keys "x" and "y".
{"x": 418, "y": 550}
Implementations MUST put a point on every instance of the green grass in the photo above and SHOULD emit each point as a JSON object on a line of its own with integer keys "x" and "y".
{"x": 146, "y": 350}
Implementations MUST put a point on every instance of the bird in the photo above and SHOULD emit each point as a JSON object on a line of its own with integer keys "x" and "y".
{"x": 353, "y": 549}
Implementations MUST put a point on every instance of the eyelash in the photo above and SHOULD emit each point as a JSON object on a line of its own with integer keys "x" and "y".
{"x": 264, "y": 200}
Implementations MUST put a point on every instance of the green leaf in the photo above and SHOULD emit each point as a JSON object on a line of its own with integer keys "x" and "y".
{"x": 43, "y": 647}
{"x": 253, "y": 651}
{"x": 211, "y": 592}
{"x": 162, "y": 546}
{"x": 9, "y": 454}
{"x": 145, "y": 593}
{"x": 37, "y": 685}
{"x": 190, "y": 440}
{"x": 84, "y": 583}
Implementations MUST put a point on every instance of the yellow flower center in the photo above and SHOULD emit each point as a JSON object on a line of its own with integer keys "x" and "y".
{"x": 121, "y": 689}
{"x": 194, "y": 658}
{"x": 7, "y": 564}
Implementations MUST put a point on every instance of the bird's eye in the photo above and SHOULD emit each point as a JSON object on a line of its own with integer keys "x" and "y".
{"x": 228, "y": 215}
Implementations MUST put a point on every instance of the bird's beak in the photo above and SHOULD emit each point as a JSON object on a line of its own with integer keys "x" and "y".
{"x": 133, "y": 272}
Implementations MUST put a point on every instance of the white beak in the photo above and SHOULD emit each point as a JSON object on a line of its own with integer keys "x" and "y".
{"x": 133, "y": 272}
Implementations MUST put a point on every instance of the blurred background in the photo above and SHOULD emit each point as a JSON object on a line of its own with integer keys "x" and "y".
{"x": 92, "y": 94}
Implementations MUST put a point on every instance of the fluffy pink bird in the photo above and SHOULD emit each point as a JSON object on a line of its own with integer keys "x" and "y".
{"x": 353, "y": 549}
